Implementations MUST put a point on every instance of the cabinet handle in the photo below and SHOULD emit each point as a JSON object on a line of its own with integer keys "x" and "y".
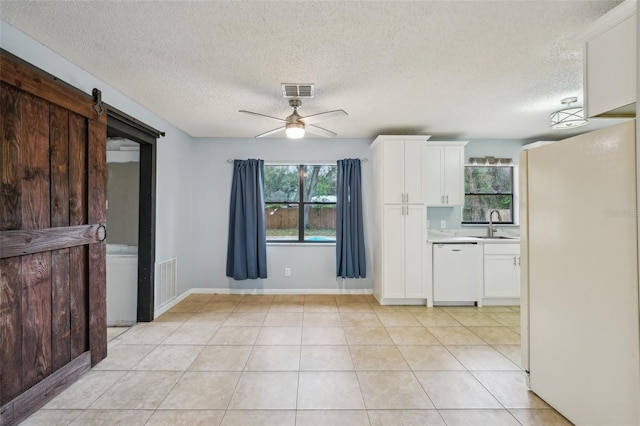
{"x": 407, "y": 210}
{"x": 442, "y": 199}
{"x": 407, "y": 201}
{"x": 447, "y": 199}
{"x": 514, "y": 261}
{"x": 518, "y": 260}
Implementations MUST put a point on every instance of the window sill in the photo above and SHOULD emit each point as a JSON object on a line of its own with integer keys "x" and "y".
{"x": 484, "y": 225}
{"x": 292, "y": 243}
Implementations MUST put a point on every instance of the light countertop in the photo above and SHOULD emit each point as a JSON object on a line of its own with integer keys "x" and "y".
{"x": 471, "y": 239}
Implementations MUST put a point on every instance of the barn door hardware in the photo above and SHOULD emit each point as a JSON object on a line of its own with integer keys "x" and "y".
{"x": 97, "y": 102}
{"x": 102, "y": 232}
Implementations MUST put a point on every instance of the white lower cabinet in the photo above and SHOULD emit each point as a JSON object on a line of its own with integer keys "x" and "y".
{"x": 502, "y": 271}
{"x": 402, "y": 261}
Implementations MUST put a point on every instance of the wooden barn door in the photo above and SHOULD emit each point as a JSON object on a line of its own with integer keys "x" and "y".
{"x": 52, "y": 227}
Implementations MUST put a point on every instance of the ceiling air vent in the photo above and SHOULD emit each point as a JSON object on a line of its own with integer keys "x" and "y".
{"x": 297, "y": 90}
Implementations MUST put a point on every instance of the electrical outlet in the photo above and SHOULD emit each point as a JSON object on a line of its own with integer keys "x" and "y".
{"x": 443, "y": 224}
{"x": 287, "y": 272}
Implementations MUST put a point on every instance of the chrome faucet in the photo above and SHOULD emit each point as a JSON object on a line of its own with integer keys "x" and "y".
{"x": 493, "y": 229}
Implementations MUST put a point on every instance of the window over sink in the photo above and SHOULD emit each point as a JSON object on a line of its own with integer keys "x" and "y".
{"x": 488, "y": 188}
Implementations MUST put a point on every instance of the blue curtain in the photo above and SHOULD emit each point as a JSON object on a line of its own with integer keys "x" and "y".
{"x": 247, "y": 246}
{"x": 350, "y": 256}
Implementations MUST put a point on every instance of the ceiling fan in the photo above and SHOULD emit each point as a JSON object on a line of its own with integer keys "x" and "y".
{"x": 295, "y": 125}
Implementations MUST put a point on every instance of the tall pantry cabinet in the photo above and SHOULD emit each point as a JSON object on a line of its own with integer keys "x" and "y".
{"x": 401, "y": 269}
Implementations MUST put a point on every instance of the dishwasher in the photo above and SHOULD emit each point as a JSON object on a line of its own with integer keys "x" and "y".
{"x": 457, "y": 273}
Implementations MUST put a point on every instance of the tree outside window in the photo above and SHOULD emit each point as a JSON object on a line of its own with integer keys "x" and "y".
{"x": 488, "y": 188}
{"x": 300, "y": 202}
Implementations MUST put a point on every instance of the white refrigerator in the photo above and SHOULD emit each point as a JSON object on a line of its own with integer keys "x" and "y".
{"x": 580, "y": 292}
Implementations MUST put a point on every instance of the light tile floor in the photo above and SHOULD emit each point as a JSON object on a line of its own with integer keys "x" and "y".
{"x": 308, "y": 360}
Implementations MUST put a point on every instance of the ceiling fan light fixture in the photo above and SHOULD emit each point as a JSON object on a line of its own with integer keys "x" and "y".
{"x": 568, "y": 118}
{"x": 294, "y": 130}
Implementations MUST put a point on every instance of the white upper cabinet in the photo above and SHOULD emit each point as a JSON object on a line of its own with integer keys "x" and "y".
{"x": 402, "y": 168}
{"x": 610, "y": 63}
{"x": 393, "y": 171}
{"x": 444, "y": 173}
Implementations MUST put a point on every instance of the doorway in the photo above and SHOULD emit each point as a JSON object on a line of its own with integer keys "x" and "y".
{"x": 123, "y": 177}
{"x": 123, "y": 126}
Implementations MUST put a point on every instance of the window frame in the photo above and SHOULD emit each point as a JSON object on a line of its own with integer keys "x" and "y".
{"x": 512, "y": 194}
{"x": 301, "y": 203}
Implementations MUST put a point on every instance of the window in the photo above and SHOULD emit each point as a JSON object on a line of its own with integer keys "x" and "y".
{"x": 300, "y": 203}
{"x": 488, "y": 188}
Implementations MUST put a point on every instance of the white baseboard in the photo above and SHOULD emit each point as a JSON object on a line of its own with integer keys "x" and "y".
{"x": 402, "y": 302}
{"x": 280, "y": 291}
{"x": 515, "y": 301}
{"x": 170, "y": 304}
{"x": 164, "y": 308}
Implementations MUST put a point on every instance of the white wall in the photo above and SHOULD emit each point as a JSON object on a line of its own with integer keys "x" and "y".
{"x": 173, "y": 229}
{"x": 313, "y": 267}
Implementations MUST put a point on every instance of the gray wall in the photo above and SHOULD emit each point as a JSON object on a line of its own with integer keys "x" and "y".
{"x": 122, "y": 194}
{"x": 312, "y": 266}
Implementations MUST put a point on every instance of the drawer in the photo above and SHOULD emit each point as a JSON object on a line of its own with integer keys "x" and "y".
{"x": 501, "y": 248}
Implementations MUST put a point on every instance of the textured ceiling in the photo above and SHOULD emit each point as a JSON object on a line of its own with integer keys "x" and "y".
{"x": 465, "y": 69}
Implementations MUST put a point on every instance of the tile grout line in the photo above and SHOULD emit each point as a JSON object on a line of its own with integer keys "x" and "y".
{"x": 348, "y": 345}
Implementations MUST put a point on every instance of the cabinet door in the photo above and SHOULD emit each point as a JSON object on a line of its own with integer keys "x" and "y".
{"x": 413, "y": 175}
{"x": 393, "y": 171}
{"x": 453, "y": 175}
{"x": 516, "y": 280}
{"x": 501, "y": 276}
{"x": 611, "y": 87}
{"x": 414, "y": 261}
{"x": 393, "y": 269}
{"x": 433, "y": 159}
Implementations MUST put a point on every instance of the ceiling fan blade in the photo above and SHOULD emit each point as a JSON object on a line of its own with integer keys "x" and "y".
{"x": 323, "y": 116}
{"x": 270, "y": 132}
{"x": 262, "y": 115}
{"x": 312, "y": 128}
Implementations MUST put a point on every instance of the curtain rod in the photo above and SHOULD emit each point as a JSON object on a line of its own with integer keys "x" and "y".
{"x": 364, "y": 160}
